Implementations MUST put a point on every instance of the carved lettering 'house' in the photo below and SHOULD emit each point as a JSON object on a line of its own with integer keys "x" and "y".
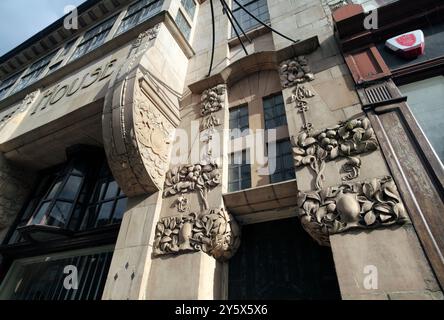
{"x": 159, "y": 164}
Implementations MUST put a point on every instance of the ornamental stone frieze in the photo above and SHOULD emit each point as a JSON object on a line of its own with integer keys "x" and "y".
{"x": 345, "y": 140}
{"x": 137, "y": 123}
{"x": 295, "y": 71}
{"x": 212, "y": 100}
{"x": 200, "y": 178}
{"x": 215, "y": 232}
{"x": 358, "y": 205}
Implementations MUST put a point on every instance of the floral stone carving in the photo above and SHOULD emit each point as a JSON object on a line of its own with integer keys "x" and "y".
{"x": 215, "y": 233}
{"x": 295, "y": 71}
{"x": 193, "y": 178}
{"x": 212, "y": 100}
{"x": 347, "y": 139}
{"x": 359, "y": 205}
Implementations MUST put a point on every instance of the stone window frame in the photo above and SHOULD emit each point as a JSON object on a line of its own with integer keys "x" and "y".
{"x": 237, "y": 118}
{"x": 239, "y": 13}
{"x": 153, "y": 7}
{"x": 237, "y": 169}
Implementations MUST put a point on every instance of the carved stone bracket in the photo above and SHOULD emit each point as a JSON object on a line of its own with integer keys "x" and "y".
{"x": 216, "y": 233}
{"x": 348, "y": 139}
{"x": 137, "y": 123}
{"x": 360, "y": 205}
{"x": 212, "y": 100}
{"x": 295, "y": 71}
{"x": 199, "y": 178}
{"x": 150, "y": 34}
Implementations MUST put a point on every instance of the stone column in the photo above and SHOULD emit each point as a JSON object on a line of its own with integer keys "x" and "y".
{"x": 348, "y": 199}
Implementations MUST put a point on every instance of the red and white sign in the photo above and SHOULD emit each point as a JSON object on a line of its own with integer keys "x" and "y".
{"x": 408, "y": 45}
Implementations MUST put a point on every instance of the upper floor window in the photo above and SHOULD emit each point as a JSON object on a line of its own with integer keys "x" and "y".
{"x": 183, "y": 25}
{"x": 139, "y": 12}
{"x": 239, "y": 121}
{"x": 79, "y": 195}
{"x": 283, "y": 168}
{"x": 6, "y": 85}
{"x": 258, "y": 8}
{"x": 59, "y": 60}
{"x": 189, "y": 6}
{"x": 34, "y": 72}
{"x": 94, "y": 38}
{"x": 239, "y": 172}
{"x": 274, "y": 111}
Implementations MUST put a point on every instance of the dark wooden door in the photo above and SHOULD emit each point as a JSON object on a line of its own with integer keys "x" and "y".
{"x": 279, "y": 260}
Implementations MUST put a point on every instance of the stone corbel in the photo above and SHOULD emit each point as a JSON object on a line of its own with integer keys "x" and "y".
{"x": 137, "y": 123}
{"x": 295, "y": 71}
{"x": 359, "y": 205}
{"x": 215, "y": 232}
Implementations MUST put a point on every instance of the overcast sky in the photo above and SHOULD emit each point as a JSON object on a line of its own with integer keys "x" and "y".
{"x": 21, "y": 19}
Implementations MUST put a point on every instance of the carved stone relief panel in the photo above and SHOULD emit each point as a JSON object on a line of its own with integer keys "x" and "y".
{"x": 215, "y": 232}
{"x": 347, "y": 140}
{"x": 359, "y": 205}
{"x": 200, "y": 178}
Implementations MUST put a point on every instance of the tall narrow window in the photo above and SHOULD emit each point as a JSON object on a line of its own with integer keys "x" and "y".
{"x": 94, "y": 38}
{"x": 183, "y": 25}
{"x": 34, "y": 73}
{"x": 239, "y": 172}
{"x": 281, "y": 165}
{"x": 274, "y": 111}
{"x": 59, "y": 61}
{"x": 138, "y": 12}
{"x": 258, "y": 8}
{"x": 239, "y": 121}
{"x": 189, "y": 6}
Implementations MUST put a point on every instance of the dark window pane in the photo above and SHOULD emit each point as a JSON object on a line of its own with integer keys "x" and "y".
{"x": 60, "y": 213}
{"x": 54, "y": 190}
{"x": 120, "y": 210}
{"x": 38, "y": 217}
{"x": 112, "y": 190}
{"x": 105, "y": 212}
{"x": 71, "y": 188}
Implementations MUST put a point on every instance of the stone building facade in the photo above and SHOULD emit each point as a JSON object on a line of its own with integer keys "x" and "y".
{"x": 119, "y": 161}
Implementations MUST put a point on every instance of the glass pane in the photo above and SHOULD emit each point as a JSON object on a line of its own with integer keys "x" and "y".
{"x": 104, "y": 213}
{"x": 112, "y": 190}
{"x": 71, "y": 188}
{"x": 38, "y": 217}
{"x": 426, "y": 100}
{"x": 120, "y": 210}
{"x": 59, "y": 215}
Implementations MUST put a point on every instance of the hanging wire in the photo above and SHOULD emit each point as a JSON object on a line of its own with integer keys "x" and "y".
{"x": 264, "y": 24}
{"x": 214, "y": 38}
{"x": 234, "y": 27}
{"x": 229, "y": 12}
{"x": 234, "y": 22}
